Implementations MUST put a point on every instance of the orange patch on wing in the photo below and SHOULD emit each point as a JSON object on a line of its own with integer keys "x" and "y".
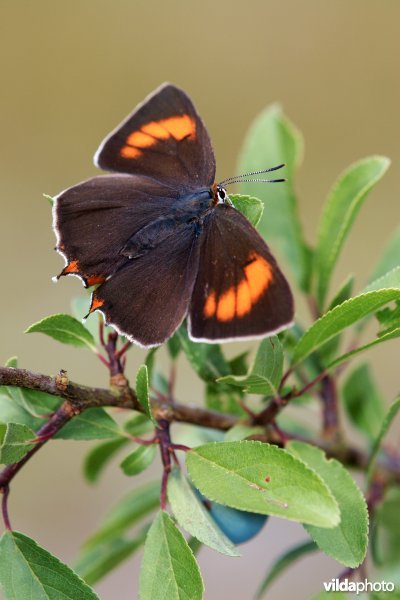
{"x": 130, "y": 152}
{"x": 227, "y": 305}
{"x": 72, "y": 267}
{"x": 210, "y": 306}
{"x": 156, "y": 130}
{"x": 259, "y": 275}
{"x": 95, "y": 279}
{"x": 140, "y": 139}
{"x": 178, "y": 127}
{"x": 243, "y": 299}
{"x": 238, "y": 301}
{"x": 96, "y": 303}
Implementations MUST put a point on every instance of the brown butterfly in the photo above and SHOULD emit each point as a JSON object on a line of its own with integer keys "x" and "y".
{"x": 161, "y": 239}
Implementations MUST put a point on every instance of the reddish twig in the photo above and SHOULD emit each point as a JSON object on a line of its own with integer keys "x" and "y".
{"x": 102, "y": 359}
{"x": 47, "y": 431}
{"x": 124, "y": 349}
{"x": 330, "y": 414}
{"x": 4, "y": 506}
{"x": 164, "y": 441}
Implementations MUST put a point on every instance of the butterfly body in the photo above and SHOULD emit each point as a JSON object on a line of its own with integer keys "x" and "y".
{"x": 189, "y": 209}
{"x": 162, "y": 240}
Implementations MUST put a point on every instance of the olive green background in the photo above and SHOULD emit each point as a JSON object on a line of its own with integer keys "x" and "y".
{"x": 70, "y": 71}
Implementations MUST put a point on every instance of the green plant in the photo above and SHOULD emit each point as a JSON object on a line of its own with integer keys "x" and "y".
{"x": 251, "y": 456}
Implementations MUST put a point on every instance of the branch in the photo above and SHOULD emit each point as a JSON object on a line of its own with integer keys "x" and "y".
{"x": 83, "y": 397}
{"x": 78, "y": 398}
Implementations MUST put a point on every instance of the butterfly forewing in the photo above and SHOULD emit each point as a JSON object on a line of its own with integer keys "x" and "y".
{"x": 239, "y": 292}
{"x": 95, "y": 219}
{"x": 165, "y": 139}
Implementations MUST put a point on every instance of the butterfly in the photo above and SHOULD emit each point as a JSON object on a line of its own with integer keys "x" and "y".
{"x": 161, "y": 240}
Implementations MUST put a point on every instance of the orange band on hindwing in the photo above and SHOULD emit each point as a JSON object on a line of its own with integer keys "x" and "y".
{"x": 238, "y": 300}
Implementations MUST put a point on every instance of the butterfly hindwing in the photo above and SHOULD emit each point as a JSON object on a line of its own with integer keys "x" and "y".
{"x": 94, "y": 220}
{"x": 148, "y": 297}
{"x": 239, "y": 292}
{"x": 165, "y": 139}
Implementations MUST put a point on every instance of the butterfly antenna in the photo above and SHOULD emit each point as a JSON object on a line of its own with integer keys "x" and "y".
{"x": 256, "y": 181}
{"x": 239, "y": 178}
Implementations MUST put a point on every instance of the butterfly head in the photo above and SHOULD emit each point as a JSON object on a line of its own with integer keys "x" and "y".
{"x": 220, "y": 195}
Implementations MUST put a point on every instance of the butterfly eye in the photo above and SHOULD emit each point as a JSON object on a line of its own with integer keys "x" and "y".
{"x": 221, "y": 194}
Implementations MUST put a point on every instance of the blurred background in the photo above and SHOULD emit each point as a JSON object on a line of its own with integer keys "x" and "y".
{"x": 69, "y": 73}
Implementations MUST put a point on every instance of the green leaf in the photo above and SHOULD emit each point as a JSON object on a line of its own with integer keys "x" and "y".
{"x": 344, "y": 202}
{"x": 329, "y": 350}
{"x": 390, "y": 415}
{"x": 92, "y": 424}
{"x": 96, "y": 562}
{"x": 265, "y": 479}
{"x": 29, "y": 571}
{"x": 138, "y": 460}
{"x": 391, "y": 280}
{"x": 273, "y": 139}
{"x": 206, "y": 359}
{"x": 238, "y": 364}
{"x": 348, "y": 541}
{"x": 342, "y": 316}
{"x": 265, "y": 373}
{"x": 99, "y": 456}
{"x": 64, "y": 329}
{"x": 126, "y": 513}
{"x": 174, "y": 346}
{"x": 10, "y": 412}
{"x": 390, "y": 257}
{"x": 222, "y": 398}
{"x": 193, "y": 516}
{"x": 269, "y": 360}
{"x": 250, "y": 384}
{"x": 169, "y": 569}
{"x": 363, "y": 402}
{"x": 385, "y": 544}
{"x": 142, "y": 392}
{"x": 14, "y": 439}
{"x": 389, "y": 318}
{"x": 252, "y": 208}
{"x": 150, "y": 362}
{"x": 284, "y": 561}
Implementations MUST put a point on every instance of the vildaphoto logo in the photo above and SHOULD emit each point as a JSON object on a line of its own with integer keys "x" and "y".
{"x": 358, "y": 587}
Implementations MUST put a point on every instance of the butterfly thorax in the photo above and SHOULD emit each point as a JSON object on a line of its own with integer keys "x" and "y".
{"x": 188, "y": 211}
